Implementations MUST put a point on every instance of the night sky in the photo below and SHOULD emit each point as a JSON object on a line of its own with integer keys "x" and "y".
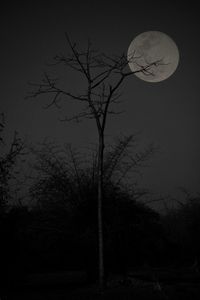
{"x": 166, "y": 113}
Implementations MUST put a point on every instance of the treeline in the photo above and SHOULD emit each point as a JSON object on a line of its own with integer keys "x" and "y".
{"x": 59, "y": 231}
{"x": 55, "y": 238}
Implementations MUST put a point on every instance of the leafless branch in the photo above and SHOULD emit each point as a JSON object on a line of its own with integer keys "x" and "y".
{"x": 104, "y": 76}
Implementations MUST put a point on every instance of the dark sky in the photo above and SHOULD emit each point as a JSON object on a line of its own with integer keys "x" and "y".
{"x": 166, "y": 113}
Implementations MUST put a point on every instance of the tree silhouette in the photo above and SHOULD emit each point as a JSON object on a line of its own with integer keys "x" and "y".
{"x": 183, "y": 227}
{"x": 66, "y": 183}
{"x": 8, "y": 159}
{"x": 63, "y": 173}
{"x": 103, "y": 77}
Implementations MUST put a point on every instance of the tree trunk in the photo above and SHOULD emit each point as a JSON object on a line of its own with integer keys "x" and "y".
{"x": 100, "y": 215}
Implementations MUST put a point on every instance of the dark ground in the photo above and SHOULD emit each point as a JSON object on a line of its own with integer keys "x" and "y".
{"x": 159, "y": 285}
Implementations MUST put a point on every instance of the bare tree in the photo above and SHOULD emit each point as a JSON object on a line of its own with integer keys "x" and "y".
{"x": 103, "y": 77}
{"x": 8, "y": 159}
{"x": 62, "y": 171}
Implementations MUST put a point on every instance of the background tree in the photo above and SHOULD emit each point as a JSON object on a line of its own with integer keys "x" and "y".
{"x": 182, "y": 227}
{"x": 66, "y": 185}
{"x": 10, "y": 182}
{"x": 8, "y": 160}
{"x": 103, "y": 76}
{"x": 62, "y": 171}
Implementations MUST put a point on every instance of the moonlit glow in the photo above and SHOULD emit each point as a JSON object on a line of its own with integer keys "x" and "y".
{"x": 156, "y": 53}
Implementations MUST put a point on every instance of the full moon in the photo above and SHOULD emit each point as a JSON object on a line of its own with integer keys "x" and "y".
{"x": 155, "y": 54}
